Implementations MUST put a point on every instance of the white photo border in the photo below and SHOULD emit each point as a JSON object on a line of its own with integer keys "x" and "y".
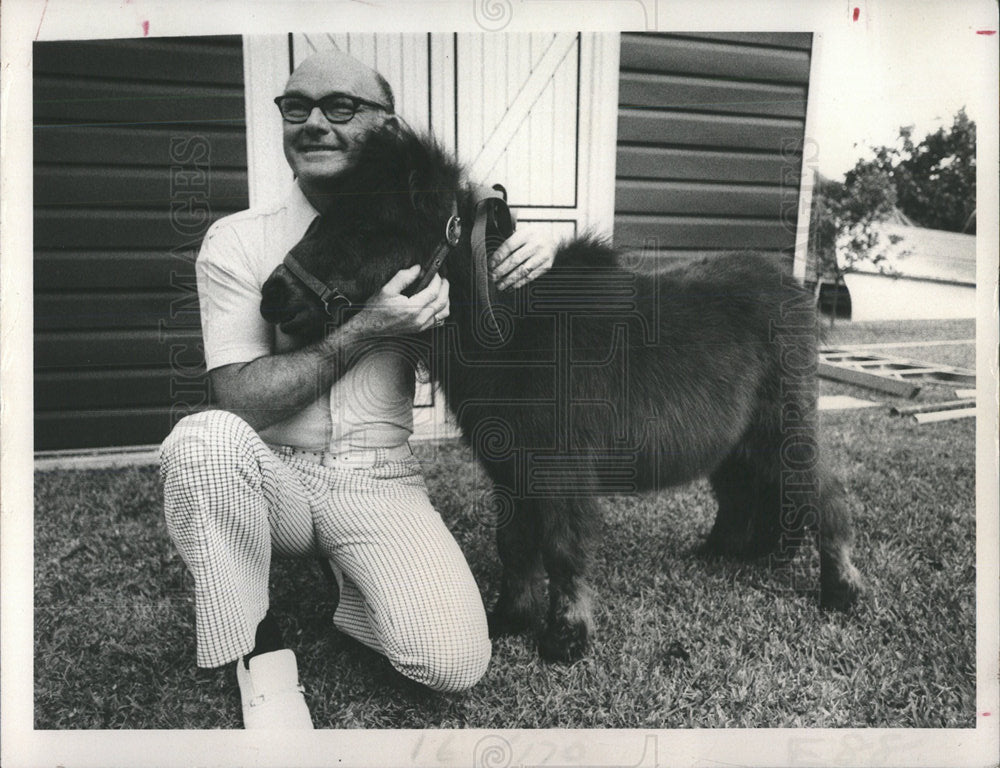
{"x": 26, "y": 20}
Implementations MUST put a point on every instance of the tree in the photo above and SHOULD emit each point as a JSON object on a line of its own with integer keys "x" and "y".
{"x": 843, "y": 219}
{"x": 935, "y": 180}
{"x": 933, "y": 183}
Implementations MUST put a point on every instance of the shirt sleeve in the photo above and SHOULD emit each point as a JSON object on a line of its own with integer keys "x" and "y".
{"x": 229, "y": 296}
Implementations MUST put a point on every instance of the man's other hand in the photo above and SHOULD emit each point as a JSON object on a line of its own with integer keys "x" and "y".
{"x": 521, "y": 258}
{"x": 390, "y": 313}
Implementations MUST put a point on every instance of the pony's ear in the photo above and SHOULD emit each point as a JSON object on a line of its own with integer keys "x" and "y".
{"x": 421, "y": 197}
{"x": 426, "y": 189}
{"x": 388, "y": 136}
{"x": 411, "y": 185}
{"x": 430, "y": 182}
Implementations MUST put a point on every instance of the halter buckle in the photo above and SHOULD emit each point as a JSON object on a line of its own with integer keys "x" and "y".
{"x": 453, "y": 230}
{"x": 334, "y": 295}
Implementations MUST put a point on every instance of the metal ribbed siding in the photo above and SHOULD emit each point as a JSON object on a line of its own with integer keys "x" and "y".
{"x": 709, "y": 141}
{"x": 139, "y": 145}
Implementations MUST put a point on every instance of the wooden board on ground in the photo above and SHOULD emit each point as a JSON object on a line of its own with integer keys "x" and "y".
{"x": 842, "y": 403}
{"x": 947, "y": 405}
{"x": 862, "y": 378}
{"x": 934, "y": 416}
{"x": 895, "y": 375}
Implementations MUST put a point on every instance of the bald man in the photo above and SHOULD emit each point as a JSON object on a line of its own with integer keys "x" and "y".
{"x": 308, "y": 453}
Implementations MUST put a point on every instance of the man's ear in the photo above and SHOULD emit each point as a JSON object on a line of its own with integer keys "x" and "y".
{"x": 392, "y": 123}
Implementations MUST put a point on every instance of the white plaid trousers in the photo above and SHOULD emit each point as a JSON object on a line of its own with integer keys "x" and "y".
{"x": 406, "y": 589}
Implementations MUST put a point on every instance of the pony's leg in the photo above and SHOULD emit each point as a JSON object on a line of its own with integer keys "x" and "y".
{"x": 748, "y": 523}
{"x": 521, "y": 604}
{"x": 566, "y": 529}
{"x": 730, "y": 534}
{"x": 765, "y": 512}
{"x": 840, "y": 582}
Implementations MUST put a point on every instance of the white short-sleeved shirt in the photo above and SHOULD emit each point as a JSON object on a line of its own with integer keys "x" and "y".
{"x": 370, "y": 406}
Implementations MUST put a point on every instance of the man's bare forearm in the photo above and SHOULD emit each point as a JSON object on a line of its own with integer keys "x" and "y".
{"x": 275, "y": 387}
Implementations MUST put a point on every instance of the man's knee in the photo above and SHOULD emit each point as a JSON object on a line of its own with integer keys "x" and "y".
{"x": 449, "y": 664}
{"x": 201, "y": 458}
{"x": 206, "y": 437}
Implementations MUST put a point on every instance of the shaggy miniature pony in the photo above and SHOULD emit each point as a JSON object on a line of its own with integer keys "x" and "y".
{"x": 594, "y": 379}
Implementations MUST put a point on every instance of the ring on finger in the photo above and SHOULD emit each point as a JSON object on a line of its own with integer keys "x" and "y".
{"x": 522, "y": 273}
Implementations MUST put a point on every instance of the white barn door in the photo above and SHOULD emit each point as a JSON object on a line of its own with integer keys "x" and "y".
{"x": 518, "y": 122}
{"x": 535, "y": 112}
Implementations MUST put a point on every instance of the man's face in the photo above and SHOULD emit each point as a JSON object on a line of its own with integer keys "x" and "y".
{"x": 317, "y": 150}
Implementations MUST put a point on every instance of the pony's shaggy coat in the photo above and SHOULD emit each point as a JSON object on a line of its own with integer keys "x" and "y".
{"x": 604, "y": 380}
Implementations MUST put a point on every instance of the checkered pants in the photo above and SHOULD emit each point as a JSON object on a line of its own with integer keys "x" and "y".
{"x": 406, "y": 589}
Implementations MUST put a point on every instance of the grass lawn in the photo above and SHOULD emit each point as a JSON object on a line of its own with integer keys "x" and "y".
{"x": 683, "y": 642}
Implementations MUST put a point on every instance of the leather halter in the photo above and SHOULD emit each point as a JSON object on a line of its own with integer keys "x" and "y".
{"x": 452, "y": 236}
{"x": 333, "y": 300}
{"x": 492, "y": 220}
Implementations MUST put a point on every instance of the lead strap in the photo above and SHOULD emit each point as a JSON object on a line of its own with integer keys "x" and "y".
{"x": 481, "y": 250}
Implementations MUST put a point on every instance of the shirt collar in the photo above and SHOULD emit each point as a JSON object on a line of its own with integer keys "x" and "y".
{"x": 301, "y": 211}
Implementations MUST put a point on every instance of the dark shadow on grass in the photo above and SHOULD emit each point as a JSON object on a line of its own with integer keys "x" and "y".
{"x": 778, "y": 578}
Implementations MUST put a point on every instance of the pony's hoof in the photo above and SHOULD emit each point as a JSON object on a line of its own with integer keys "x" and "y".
{"x": 716, "y": 546}
{"x": 502, "y": 624}
{"x": 563, "y": 642}
{"x": 842, "y": 594}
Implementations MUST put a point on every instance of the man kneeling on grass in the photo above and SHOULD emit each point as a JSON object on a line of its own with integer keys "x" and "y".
{"x": 311, "y": 455}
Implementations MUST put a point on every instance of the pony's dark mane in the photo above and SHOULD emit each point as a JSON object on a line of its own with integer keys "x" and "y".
{"x": 371, "y": 230}
{"x": 394, "y": 163}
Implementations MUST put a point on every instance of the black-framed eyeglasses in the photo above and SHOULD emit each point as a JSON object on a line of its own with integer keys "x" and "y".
{"x": 336, "y": 107}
